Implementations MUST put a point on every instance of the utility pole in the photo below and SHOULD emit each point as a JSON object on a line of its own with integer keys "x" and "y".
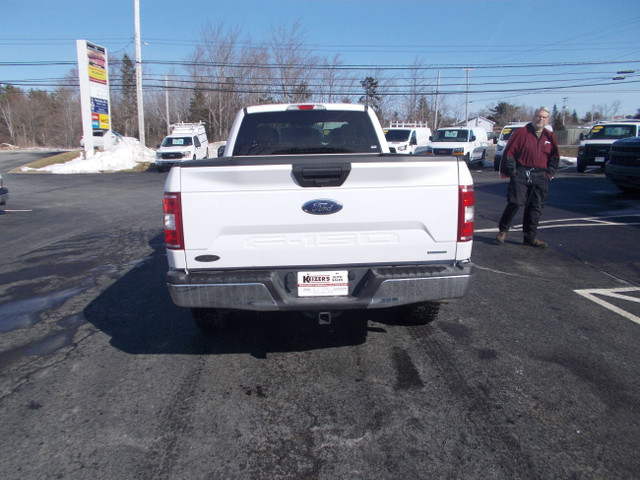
{"x": 166, "y": 102}
{"x": 139, "y": 73}
{"x": 466, "y": 110}
{"x": 435, "y": 121}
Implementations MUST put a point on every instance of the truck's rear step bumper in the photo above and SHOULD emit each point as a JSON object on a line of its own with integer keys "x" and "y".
{"x": 265, "y": 290}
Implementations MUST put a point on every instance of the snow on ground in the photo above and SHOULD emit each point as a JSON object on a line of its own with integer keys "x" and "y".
{"x": 124, "y": 155}
{"x": 567, "y": 161}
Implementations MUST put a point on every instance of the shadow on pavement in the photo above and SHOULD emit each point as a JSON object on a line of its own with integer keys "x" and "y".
{"x": 139, "y": 316}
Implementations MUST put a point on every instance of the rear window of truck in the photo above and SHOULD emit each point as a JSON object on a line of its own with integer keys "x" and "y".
{"x": 306, "y": 132}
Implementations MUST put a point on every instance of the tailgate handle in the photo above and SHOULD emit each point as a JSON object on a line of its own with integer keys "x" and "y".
{"x": 321, "y": 175}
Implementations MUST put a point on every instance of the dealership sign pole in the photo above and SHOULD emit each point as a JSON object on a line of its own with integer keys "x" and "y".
{"x": 93, "y": 74}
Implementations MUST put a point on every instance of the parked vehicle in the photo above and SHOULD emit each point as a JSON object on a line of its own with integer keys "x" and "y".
{"x": 4, "y": 193}
{"x": 623, "y": 167}
{"x": 502, "y": 140}
{"x": 594, "y": 146}
{"x": 307, "y": 211}
{"x": 469, "y": 143}
{"x": 100, "y": 137}
{"x": 405, "y": 138}
{"x": 187, "y": 141}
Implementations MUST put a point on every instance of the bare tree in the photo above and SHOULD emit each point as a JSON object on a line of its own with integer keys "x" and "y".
{"x": 10, "y": 99}
{"x": 293, "y": 65}
{"x": 416, "y": 107}
{"x": 332, "y": 81}
{"x": 66, "y": 111}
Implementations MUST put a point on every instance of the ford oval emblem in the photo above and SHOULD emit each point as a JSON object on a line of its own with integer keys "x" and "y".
{"x": 321, "y": 207}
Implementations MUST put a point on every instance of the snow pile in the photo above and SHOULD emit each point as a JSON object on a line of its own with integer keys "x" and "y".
{"x": 124, "y": 155}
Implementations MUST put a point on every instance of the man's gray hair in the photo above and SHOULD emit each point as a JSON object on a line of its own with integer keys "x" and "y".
{"x": 543, "y": 109}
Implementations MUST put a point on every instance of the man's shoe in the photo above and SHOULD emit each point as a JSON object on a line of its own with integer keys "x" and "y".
{"x": 501, "y": 237}
{"x": 536, "y": 243}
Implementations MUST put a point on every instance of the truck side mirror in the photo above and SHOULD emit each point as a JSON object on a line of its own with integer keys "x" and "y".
{"x": 431, "y": 138}
{"x": 221, "y": 150}
{"x": 473, "y": 138}
{"x": 495, "y": 140}
{"x": 582, "y": 136}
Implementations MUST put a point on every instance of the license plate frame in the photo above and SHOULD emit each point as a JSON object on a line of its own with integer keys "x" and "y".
{"x": 324, "y": 283}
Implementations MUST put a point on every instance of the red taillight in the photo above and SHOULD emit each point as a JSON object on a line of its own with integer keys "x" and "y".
{"x": 172, "y": 208}
{"x": 466, "y": 213}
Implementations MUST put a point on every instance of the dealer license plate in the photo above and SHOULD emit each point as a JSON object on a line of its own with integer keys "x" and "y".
{"x": 323, "y": 284}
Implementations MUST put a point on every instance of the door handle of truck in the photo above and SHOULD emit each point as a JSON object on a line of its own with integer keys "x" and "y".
{"x": 321, "y": 175}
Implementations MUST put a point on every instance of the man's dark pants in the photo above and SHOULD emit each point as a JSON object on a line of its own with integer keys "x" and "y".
{"x": 528, "y": 190}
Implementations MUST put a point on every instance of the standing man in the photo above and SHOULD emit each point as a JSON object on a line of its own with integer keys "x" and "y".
{"x": 530, "y": 160}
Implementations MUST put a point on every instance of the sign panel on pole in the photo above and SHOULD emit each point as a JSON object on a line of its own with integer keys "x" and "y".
{"x": 93, "y": 75}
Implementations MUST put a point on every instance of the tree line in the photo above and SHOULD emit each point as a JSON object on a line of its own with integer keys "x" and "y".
{"x": 225, "y": 73}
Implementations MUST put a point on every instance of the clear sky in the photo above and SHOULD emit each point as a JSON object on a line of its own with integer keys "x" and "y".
{"x": 561, "y": 52}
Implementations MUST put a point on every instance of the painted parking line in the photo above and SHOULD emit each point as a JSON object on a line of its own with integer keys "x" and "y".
{"x": 595, "y": 294}
{"x": 604, "y": 221}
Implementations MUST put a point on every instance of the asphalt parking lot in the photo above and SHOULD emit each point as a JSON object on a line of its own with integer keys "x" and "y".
{"x": 534, "y": 374}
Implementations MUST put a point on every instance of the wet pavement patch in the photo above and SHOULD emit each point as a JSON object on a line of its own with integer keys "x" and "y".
{"x": 25, "y": 313}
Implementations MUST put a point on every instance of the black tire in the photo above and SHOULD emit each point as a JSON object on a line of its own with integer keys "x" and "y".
{"x": 210, "y": 319}
{"x": 467, "y": 159}
{"x": 581, "y": 167}
{"x": 421, "y": 313}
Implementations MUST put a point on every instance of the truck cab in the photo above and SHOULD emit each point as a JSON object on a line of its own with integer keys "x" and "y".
{"x": 594, "y": 147}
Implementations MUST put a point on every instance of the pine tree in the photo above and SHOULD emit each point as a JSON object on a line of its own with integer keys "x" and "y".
{"x": 370, "y": 96}
{"x": 129, "y": 107}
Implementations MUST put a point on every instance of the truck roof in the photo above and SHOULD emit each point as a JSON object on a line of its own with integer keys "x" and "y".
{"x": 185, "y": 128}
{"x": 281, "y": 107}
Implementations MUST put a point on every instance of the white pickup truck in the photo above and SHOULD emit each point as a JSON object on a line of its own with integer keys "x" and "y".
{"x": 307, "y": 211}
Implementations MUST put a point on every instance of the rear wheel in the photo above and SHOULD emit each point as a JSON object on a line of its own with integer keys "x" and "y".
{"x": 481, "y": 161}
{"x": 210, "y": 319}
{"x": 420, "y": 313}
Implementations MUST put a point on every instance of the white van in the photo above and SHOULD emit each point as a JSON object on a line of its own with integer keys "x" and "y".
{"x": 505, "y": 134}
{"x": 468, "y": 143}
{"x": 405, "y": 138}
{"x": 187, "y": 141}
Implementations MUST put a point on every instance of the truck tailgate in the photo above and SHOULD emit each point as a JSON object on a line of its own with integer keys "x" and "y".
{"x": 253, "y": 216}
